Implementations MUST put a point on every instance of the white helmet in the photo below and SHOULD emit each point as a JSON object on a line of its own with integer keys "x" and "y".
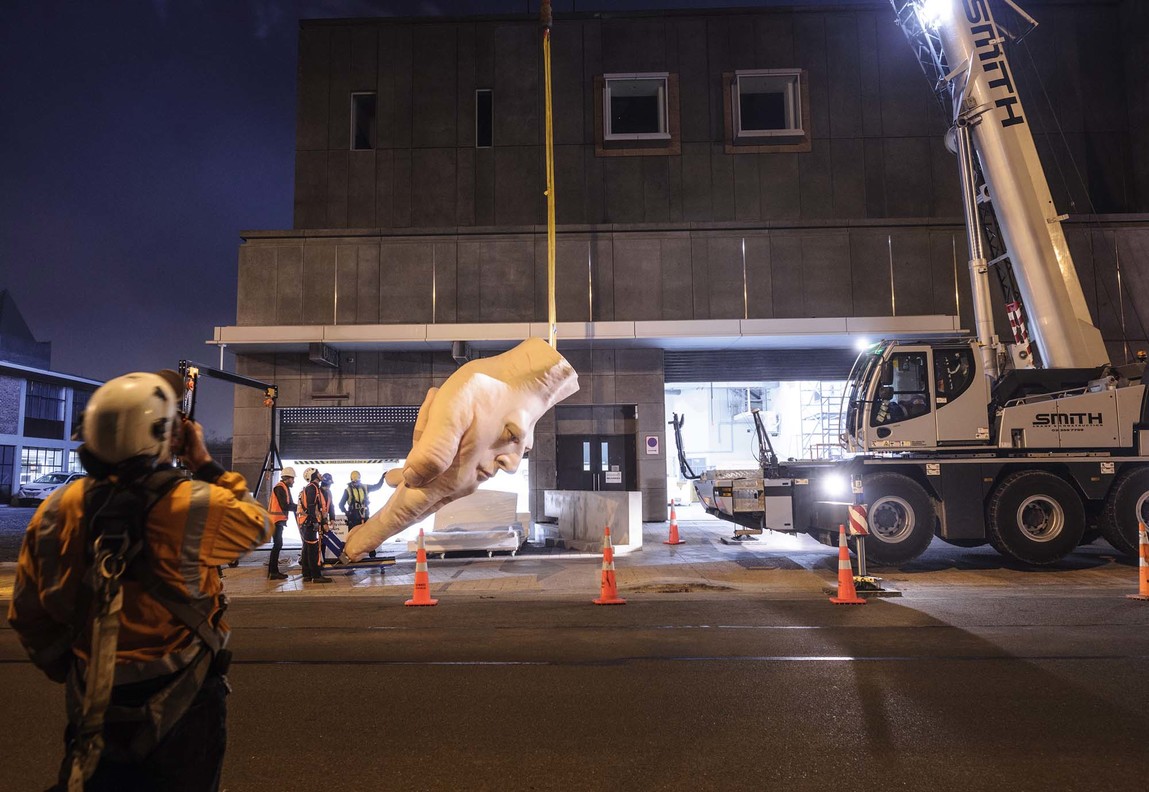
{"x": 130, "y": 416}
{"x": 308, "y": 473}
{"x": 287, "y": 471}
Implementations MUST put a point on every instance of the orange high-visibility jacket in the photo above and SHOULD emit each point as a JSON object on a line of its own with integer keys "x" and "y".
{"x": 195, "y": 528}
{"x": 280, "y": 504}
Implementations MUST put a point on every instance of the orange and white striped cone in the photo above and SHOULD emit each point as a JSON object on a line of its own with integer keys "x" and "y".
{"x": 1143, "y": 552}
{"x": 609, "y": 595}
{"x": 847, "y": 594}
{"x": 673, "y": 540}
{"x": 422, "y": 595}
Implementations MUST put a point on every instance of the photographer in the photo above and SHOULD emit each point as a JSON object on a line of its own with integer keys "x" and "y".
{"x": 117, "y": 595}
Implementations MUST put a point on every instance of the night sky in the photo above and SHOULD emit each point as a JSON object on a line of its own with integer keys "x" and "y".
{"x": 138, "y": 138}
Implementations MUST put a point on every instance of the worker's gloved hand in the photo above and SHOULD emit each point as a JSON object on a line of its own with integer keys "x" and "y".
{"x": 479, "y": 422}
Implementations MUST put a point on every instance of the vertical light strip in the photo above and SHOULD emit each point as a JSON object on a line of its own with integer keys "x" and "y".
{"x": 335, "y": 307}
{"x": 434, "y": 283}
{"x": 745, "y": 290}
{"x": 1120, "y": 297}
{"x": 589, "y": 285}
{"x": 957, "y": 293}
{"x": 893, "y": 301}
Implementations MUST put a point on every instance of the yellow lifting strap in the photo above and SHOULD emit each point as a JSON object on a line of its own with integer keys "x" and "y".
{"x": 552, "y": 317}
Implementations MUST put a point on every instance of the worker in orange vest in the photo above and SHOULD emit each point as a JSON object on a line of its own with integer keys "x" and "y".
{"x": 281, "y": 505}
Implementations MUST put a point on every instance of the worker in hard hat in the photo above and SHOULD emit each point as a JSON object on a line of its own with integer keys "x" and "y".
{"x": 314, "y": 511}
{"x": 280, "y": 506}
{"x": 354, "y": 502}
{"x": 117, "y": 594}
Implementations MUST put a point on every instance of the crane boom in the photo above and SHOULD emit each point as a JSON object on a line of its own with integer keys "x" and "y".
{"x": 966, "y": 45}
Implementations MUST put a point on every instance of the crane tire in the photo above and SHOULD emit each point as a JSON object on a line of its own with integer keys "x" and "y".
{"x": 1126, "y": 504}
{"x": 901, "y": 516}
{"x": 1035, "y": 517}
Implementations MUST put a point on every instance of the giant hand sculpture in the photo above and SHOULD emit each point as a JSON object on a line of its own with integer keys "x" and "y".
{"x": 481, "y": 421}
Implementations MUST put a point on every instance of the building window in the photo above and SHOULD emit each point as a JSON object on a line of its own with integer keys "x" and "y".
{"x": 79, "y": 404}
{"x": 635, "y": 107}
{"x": 769, "y": 103}
{"x": 35, "y": 462}
{"x": 484, "y": 118}
{"x": 44, "y": 410}
{"x": 767, "y": 110}
{"x": 362, "y": 121}
{"x": 636, "y": 114}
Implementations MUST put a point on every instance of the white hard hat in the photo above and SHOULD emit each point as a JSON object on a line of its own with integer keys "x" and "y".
{"x": 307, "y": 473}
{"x": 287, "y": 471}
{"x": 130, "y": 416}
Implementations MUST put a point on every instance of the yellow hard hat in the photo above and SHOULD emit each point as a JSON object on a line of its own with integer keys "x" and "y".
{"x": 354, "y": 475}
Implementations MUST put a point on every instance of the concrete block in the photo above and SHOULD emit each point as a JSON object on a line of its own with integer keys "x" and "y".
{"x": 623, "y": 189}
{"x": 677, "y": 278}
{"x": 869, "y": 92}
{"x": 361, "y": 185}
{"x": 384, "y": 188}
{"x": 759, "y": 277}
{"x": 637, "y": 279}
{"x": 721, "y": 183}
{"x": 875, "y": 174}
{"x": 693, "y": 79}
{"x": 826, "y": 273}
{"x": 518, "y": 177}
{"x": 517, "y": 88}
{"x": 433, "y": 187}
{"x": 870, "y": 272}
{"x": 602, "y": 266}
{"x": 634, "y": 45}
{"x": 337, "y": 189}
{"x": 847, "y": 158}
{"x": 255, "y": 303}
{"x": 506, "y": 281}
{"x": 816, "y": 180}
{"x": 405, "y": 271}
{"x": 638, "y": 361}
{"x": 311, "y": 189}
{"x": 346, "y": 283}
{"x": 786, "y": 274}
{"x": 339, "y": 96}
{"x": 313, "y": 86}
{"x": 289, "y": 284}
{"x": 635, "y": 388}
{"x": 401, "y": 188}
{"x": 696, "y": 206}
{"x": 468, "y": 299}
{"x": 810, "y": 50}
{"x": 779, "y": 190}
{"x": 747, "y": 203}
{"x": 656, "y": 188}
{"x": 775, "y": 41}
{"x": 843, "y": 73}
{"x": 367, "y": 283}
{"x": 573, "y": 278}
{"x": 435, "y": 90}
{"x": 908, "y": 182}
{"x": 318, "y": 284}
{"x": 700, "y": 273}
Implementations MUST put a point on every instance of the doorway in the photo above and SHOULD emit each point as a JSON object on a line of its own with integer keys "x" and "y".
{"x": 596, "y": 462}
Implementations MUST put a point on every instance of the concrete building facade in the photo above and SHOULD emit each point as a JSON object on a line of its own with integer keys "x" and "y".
{"x": 412, "y": 233}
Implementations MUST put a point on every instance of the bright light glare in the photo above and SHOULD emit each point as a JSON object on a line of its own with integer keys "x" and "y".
{"x": 932, "y": 13}
{"x": 862, "y": 344}
{"x": 835, "y": 485}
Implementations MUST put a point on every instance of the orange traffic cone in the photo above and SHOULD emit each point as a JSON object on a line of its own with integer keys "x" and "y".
{"x": 673, "y": 540}
{"x": 422, "y": 595}
{"x": 847, "y": 594}
{"x": 609, "y": 595}
{"x": 1143, "y": 547}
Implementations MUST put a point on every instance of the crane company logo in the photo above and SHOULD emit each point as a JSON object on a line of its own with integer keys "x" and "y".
{"x": 1067, "y": 422}
{"x": 987, "y": 42}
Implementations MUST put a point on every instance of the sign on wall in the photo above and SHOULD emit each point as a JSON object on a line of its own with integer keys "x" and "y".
{"x": 652, "y": 445}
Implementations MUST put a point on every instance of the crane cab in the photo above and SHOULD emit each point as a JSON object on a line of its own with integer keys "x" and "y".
{"x": 907, "y": 396}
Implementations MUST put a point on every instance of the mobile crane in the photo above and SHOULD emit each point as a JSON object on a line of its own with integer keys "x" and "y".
{"x": 1032, "y": 446}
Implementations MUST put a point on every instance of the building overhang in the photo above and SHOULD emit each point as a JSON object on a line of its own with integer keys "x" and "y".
{"x": 690, "y": 334}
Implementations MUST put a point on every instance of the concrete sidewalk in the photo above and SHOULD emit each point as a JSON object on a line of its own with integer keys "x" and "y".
{"x": 774, "y": 566}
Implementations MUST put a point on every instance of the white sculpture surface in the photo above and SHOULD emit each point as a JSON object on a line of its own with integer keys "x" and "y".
{"x": 480, "y": 421}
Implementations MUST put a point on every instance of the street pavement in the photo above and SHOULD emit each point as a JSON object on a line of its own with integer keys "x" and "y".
{"x": 727, "y": 669}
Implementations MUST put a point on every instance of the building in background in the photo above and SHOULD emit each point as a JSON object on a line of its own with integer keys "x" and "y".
{"x": 39, "y": 408}
{"x": 742, "y": 197}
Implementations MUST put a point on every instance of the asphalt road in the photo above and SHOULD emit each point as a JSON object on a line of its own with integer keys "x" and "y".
{"x": 962, "y": 688}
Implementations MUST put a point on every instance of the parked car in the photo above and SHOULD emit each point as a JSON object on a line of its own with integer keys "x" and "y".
{"x": 36, "y": 491}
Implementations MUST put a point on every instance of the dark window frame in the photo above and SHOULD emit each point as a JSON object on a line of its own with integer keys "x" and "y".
{"x": 369, "y": 135}
{"x": 491, "y": 119}
{"x": 638, "y": 145}
{"x": 799, "y": 141}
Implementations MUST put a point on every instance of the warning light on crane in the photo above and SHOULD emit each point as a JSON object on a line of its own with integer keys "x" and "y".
{"x": 932, "y": 13}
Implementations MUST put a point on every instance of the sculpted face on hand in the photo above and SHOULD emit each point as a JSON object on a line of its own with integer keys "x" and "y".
{"x": 479, "y": 422}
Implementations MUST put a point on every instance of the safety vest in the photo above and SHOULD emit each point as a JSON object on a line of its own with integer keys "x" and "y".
{"x": 273, "y": 507}
{"x": 357, "y": 495}
{"x": 305, "y": 506}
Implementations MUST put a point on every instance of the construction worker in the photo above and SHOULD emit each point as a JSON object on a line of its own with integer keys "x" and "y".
{"x": 280, "y": 506}
{"x": 314, "y": 508}
{"x": 355, "y": 503}
{"x": 117, "y": 594}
